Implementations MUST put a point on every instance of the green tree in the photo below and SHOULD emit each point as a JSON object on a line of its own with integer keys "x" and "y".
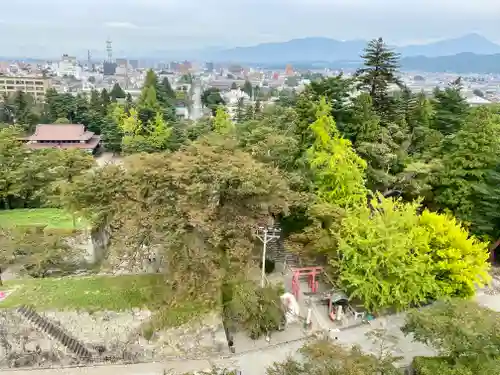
{"x": 321, "y": 357}
{"x": 71, "y": 163}
{"x": 117, "y": 92}
{"x": 222, "y": 122}
{"x": 420, "y": 117}
{"x": 338, "y": 172}
{"x": 167, "y": 88}
{"x": 28, "y": 176}
{"x": 467, "y": 160}
{"x": 271, "y": 139}
{"x": 450, "y": 107}
{"x": 240, "y": 108}
{"x": 249, "y": 113}
{"x": 257, "y": 108}
{"x": 256, "y": 310}
{"x": 211, "y": 98}
{"x": 380, "y": 70}
{"x": 23, "y": 110}
{"x": 95, "y": 101}
{"x": 465, "y": 335}
{"x": 105, "y": 100}
{"x": 485, "y": 212}
{"x": 292, "y": 81}
{"x": 196, "y": 206}
{"x": 286, "y": 98}
{"x": 248, "y": 88}
{"x": 154, "y": 98}
{"x": 337, "y": 91}
{"x": 129, "y": 100}
{"x": 138, "y": 136}
{"x": 382, "y": 145}
{"x": 59, "y": 106}
{"x": 111, "y": 131}
{"x": 389, "y": 256}
{"x": 62, "y": 120}
{"x": 478, "y": 92}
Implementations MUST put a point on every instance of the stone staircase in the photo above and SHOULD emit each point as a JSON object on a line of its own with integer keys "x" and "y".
{"x": 276, "y": 251}
{"x": 55, "y": 332}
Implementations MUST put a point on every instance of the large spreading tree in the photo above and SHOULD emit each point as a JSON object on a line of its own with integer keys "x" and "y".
{"x": 198, "y": 205}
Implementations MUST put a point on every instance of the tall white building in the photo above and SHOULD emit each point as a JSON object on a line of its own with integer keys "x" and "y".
{"x": 68, "y": 66}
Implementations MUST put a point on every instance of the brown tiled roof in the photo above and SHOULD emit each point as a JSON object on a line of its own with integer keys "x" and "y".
{"x": 89, "y": 145}
{"x": 60, "y": 132}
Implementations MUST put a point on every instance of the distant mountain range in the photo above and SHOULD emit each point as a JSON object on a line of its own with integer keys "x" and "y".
{"x": 461, "y": 63}
{"x": 463, "y": 54}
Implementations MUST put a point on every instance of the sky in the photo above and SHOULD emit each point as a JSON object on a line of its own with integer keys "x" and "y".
{"x": 49, "y": 28}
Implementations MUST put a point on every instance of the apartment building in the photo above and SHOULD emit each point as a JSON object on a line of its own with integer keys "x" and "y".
{"x": 35, "y": 86}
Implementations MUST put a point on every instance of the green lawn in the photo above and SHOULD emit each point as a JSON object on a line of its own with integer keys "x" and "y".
{"x": 95, "y": 293}
{"x": 53, "y": 218}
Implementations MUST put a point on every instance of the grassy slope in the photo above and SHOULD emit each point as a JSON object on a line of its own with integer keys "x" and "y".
{"x": 54, "y": 218}
{"x": 94, "y": 293}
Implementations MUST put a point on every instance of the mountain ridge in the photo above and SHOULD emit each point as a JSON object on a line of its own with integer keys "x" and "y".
{"x": 327, "y": 49}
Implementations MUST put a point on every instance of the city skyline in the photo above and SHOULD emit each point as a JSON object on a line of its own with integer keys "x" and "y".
{"x": 51, "y": 27}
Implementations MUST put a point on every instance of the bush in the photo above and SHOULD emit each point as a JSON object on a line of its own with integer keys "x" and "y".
{"x": 256, "y": 310}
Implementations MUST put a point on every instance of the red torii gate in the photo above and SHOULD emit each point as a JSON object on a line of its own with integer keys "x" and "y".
{"x": 311, "y": 273}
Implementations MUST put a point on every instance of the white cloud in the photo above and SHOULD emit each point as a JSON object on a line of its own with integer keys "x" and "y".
{"x": 121, "y": 25}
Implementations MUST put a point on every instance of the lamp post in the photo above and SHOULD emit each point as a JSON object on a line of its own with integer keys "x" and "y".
{"x": 266, "y": 235}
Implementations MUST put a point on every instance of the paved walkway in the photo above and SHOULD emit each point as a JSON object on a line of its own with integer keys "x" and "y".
{"x": 251, "y": 363}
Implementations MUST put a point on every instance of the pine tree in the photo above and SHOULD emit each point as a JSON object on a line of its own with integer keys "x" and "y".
{"x": 167, "y": 88}
{"x": 249, "y": 113}
{"x": 420, "y": 117}
{"x": 117, "y": 92}
{"x": 382, "y": 145}
{"x": 105, "y": 101}
{"x": 240, "y": 108}
{"x": 468, "y": 159}
{"x": 450, "y": 108}
{"x": 248, "y": 88}
{"x": 258, "y": 108}
{"x": 380, "y": 70}
{"x": 130, "y": 101}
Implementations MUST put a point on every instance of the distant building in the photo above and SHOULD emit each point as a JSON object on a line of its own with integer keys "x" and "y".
{"x": 232, "y": 98}
{"x": 225, "y": 84}
{"x": 68, "y": 66}
{"x": 134, "y": 64}
{"x": 121, "y": 62}
{"x": 109, "y": 68}
{"x": 181, "y": 113}
{"x": 209, "y": 67}
{"x": 35, "y": 86}
{"x": 475, "y": 101}
{"x": 174, "y": 66}
{"x": 65, "y": 136}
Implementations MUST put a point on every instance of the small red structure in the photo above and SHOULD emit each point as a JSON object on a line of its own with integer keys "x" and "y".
{"x": 63, "y": 136}
{"x": 311, "y": 273}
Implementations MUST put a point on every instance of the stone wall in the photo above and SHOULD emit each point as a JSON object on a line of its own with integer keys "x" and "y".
{"x": 92, "y": 243}
{"x": 119, "y": 333}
